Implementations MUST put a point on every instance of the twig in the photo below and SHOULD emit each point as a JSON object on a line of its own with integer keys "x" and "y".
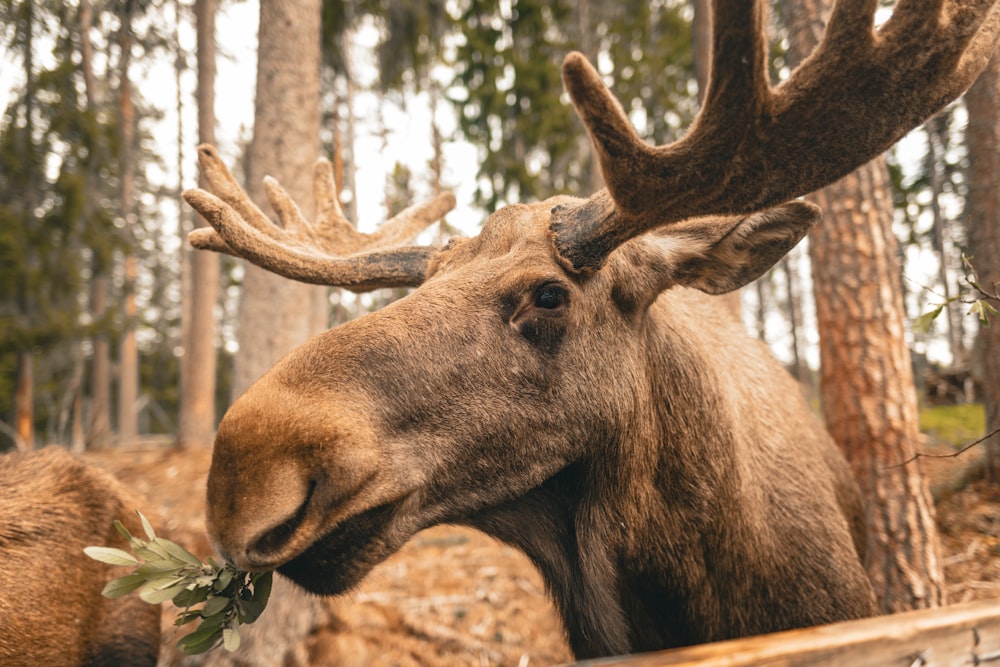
{"x": 950, "y": 455}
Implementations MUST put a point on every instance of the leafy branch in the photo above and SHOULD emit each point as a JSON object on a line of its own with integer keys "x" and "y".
{"x": 164, "y": 570}
{"x": 979, "y": 306}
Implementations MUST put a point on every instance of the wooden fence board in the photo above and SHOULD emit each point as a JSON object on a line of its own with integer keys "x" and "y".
{"x": 958, "y": 636}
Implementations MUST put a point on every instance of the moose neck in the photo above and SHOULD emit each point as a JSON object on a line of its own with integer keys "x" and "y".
{"x": 588, "y": 528}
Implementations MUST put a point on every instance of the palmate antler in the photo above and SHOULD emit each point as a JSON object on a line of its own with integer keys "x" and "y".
{"x": 329, "y": 252}
{"x": 753, "y": 146}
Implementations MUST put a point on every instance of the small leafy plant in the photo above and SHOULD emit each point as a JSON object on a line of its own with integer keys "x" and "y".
{"x": 165, "y": 571}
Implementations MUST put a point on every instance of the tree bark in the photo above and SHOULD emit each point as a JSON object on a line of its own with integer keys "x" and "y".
{"x": 98, "y": 435}
{"x": 866, "y": 381}
{"x": 99, "y": 418}
{"x": 128, "y": 364}
{"x": 983, "y": 141}
{"x": 197, "y": 410}
{"x": 866, "y": 384}
{"x": 275, "y": 314}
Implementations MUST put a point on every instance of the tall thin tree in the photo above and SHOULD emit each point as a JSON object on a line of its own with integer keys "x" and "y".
{"x": 197, "y": 409}
{"x": 128, "y": 362}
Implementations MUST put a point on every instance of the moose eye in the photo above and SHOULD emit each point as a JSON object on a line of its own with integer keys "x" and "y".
{"x": 551, "y": 297}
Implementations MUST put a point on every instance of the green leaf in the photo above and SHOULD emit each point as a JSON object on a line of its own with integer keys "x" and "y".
{"x": 116, "y": 588}
{"x": 982, "y": 309}
{"x": 157, "y": 595}
{"x": 202, "y": 639}
{"x": 262, "y": 587}
{"x": 190, "y": 596}
{"x": 231, "y": 638}
{"x": 223, "y": 578}
{"x": 146, "y": 526}
{"x": 120, "y": 527}
{"x": 111, "y": 556}
{"x": 177, "y": 551}
{"x": 249, "y": 611}
{"x": 155, "y": 568}
{"x": 152, "y": 551}
{"x": 215, "y": 605}
{"x": 923, "y": 323}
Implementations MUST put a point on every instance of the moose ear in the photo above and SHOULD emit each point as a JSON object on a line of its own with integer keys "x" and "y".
{"x": 745, "y": 252}
{"x": 709, "y": 254}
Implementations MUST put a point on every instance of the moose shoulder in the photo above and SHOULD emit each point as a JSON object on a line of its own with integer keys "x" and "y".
{"x": 562, "y": 382}
{"x": 51, "y": 609}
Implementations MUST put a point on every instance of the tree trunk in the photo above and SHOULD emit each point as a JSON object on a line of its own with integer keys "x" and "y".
{"x": 24, "y": 418}
{"x": 197, "y": 410}
{"x": 184, "y": 227}
{"x": 701, "y": 43}
{"x": 983, "y": 141}
{"x": 275, "y": 314}
{"x": 99, "y": 423}
{"x": 936, "y": 128}
{"x": 866, "y": 382}
{"x": 128, "y": 364}
{"x": 99, "y": 420}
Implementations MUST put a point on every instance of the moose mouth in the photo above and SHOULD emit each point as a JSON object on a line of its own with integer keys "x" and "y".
{"x": 341, "y": 558}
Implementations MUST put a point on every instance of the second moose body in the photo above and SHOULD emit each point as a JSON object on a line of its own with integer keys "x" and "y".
{"x": 562, "y": 382}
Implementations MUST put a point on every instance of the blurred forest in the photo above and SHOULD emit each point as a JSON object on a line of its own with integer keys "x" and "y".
{"x": 96, "y": 281}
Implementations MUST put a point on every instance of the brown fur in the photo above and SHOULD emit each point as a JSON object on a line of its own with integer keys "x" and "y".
{"x": 52, "y": 613}
{"x": 659, "y": 467}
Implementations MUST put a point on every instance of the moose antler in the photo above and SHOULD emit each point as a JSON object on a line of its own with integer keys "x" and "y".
{"x": 331, "y": 252}
{"x": 752, "y": 145}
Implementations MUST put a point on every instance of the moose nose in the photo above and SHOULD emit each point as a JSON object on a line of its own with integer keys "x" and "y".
{"x": 255, "y": 511}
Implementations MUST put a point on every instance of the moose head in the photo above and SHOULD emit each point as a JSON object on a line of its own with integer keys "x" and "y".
{"x": 562, "y": 382}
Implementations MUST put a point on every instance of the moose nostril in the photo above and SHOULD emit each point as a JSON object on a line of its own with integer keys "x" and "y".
{"x": 274, "y": 540}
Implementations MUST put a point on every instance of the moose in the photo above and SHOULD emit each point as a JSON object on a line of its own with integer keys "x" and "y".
{"x": 564, "y": 380}
{"x": 52, "y": 505}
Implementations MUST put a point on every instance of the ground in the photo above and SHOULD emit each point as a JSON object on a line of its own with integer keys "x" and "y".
{"x": 453, "y": 596}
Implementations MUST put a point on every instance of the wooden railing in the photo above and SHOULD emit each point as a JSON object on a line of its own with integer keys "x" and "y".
{"x": 965, "y": 634}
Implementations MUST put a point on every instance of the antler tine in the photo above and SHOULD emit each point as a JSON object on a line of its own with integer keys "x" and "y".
{"x": 331, "y": 253}
{"x": 220, "y": 181}
{"x": 334, "y": 233}
{"x": 412, "y": 220}
{"x": 754, "y": 146}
